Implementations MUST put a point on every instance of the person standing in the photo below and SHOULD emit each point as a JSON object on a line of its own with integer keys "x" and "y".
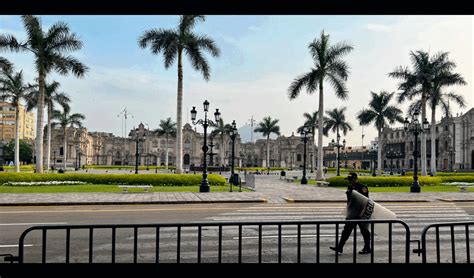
{"x": 348, "y": 227}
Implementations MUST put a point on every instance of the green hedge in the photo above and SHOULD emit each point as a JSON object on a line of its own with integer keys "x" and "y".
{"x": 401, "y": 181}
{"x": 125, "y": 167}
{"x": 153, "y": 179}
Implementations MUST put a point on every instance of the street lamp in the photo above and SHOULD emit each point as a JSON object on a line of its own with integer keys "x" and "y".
{"x": 205, "y": 123}
{"x": 416, "y": 128}
{"x": 338, "y": 145}
{"x": 77, "y": 158}
{"x": 305, "y": 132}
{"x": 373, "y": 155}
{"x": 391, "y": 154}
{"x": 233, "y": 134}
{"x": 137, "y": 141}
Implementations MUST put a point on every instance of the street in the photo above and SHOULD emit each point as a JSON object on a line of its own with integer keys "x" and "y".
{"x": 14, "y": 220}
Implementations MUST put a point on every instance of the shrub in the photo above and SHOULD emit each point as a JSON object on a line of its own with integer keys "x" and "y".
{"x": 153, "y": 179}
{"x": 387, "y": 181}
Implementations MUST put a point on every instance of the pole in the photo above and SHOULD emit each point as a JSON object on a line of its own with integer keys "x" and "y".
{"x": 415, "y": 187}
{"x": 205, "y": 183}
{"x": 136, "y": 154}
{"x": 232, "y": 164}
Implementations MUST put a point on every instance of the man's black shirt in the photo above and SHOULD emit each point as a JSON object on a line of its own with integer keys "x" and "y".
{"x": 362, "y": 189}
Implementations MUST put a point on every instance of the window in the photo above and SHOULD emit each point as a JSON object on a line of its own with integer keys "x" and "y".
{"x": 155, "y": 144}
{"x": 187, "y": 144}
{"x": 61, "y": 151}
{"x": 298, "y": 157}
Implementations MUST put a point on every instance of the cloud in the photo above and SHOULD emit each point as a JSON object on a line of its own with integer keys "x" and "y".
{"x": 254, "y": 28}
{"x": 376, "y": 27}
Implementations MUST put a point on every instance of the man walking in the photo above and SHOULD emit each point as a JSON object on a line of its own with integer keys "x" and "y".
{"x": 362, "y": 189}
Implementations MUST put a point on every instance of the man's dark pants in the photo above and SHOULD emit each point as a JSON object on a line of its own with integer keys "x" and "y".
{"x": 348, "y": 227}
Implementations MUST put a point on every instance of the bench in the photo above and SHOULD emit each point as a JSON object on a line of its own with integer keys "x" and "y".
{"x": 463, "y": 188}
{"x": 292, "y": 179}
{"x": 322, "y": 183}
{"x": 126, "y": 187}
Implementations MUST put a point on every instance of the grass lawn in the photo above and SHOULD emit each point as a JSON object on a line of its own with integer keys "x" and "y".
{"x": 107, "y": 188}
{"x": 441, "y": 188}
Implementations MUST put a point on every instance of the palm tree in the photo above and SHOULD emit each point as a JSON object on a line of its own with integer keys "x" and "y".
{"x": 49, "y": 50}
{"x": 65, "y": 119}
{"x": 167, "y": 128}
{"x": 51, "y": 97}
{"x": 329, "y": 67}
{"x": 14, "y": 89}
{"x": 222, "y": 129}
{"x": 335, "y": 122}
{"x": 172, "y": 43}
{"x": 379, "y": 112}
{"x": 268, "y": 126}
{"x": 420, "y": 82}
{"x": 311, "y": 120}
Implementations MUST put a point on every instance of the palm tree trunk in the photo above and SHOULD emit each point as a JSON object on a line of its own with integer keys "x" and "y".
{"x": 313, "y": 160}
{"x": 179, "y": 143}
{"x": 17, "y": 138}
{"x": 166, "y": 157}
{"x": 319, "y": 172}
{"x": 379, "y": 153}
{"x": 48, "y": 139}
{"x": 65, "y": 147}
{"x": 268, "y": 153}
{"x": 433, "y": 141}
{"x": 39, "y": 125}
{"x": 423, "y": 137}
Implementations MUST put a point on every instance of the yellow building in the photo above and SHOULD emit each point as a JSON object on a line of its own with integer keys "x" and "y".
{"x": 7, "y": 123}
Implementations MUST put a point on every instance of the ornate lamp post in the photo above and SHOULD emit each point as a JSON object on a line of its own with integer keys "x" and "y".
{"x": 138, "y": 139}
{"x": 373, "y": 155}
{"x": 338, "y": 145}
{"x": 233, "y": 135}
{"x": 205, "y": 123}
{"x": 305, "y": 133}
{"x": 211, "y": 154}
{"x": 416, "y": 128}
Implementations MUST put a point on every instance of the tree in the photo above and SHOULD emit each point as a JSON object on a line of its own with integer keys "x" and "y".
{"x": 65, "y": 119}
{"x": 268, "y": 126}
{"x": 49, "y": 50}
{"x": 26, "y": 151}
{"x": 329, "y": 67}
{"x": 222, "y": 129}
{"x": 335, "y": 122}
{"x": 311, "y": 120}
{"x": 379, "y": 112}
{"x": 14, "y": 89}
{"x": 167, "y": 128}
{"x": 420, "y": 82}
{"x": 51, "y": 97}
{"x": 172, "y": 43}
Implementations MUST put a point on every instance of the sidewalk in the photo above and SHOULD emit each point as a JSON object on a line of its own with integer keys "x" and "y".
{"x": 268, "y": 189}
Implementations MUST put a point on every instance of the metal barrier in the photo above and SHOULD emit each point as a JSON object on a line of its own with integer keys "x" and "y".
{"x": 451, "y": 230}
{"x": 212, "y": 232}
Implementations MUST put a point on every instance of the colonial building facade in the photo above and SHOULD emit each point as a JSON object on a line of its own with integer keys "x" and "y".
{"x": 454, "y": 145}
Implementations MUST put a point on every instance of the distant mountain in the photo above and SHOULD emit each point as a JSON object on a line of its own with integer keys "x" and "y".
{"x": 244, "y": 132}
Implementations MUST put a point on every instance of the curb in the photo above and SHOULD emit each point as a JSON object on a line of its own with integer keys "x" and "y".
{"x": 455, "y": 200}
{"x": 290, "y": 200}
{"x": 261, "y": 200}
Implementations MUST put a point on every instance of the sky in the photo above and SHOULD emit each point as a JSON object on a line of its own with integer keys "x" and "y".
{"x": 260, "y": 57}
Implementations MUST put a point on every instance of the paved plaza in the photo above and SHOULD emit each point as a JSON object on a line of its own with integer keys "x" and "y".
{"x": 268, "y": 188}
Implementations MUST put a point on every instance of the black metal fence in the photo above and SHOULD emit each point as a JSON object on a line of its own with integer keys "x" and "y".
{"x": 211, "y": 242}
{"x": 451, "y": 237}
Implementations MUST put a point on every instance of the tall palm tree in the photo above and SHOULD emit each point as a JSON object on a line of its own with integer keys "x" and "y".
{"x": 51, "y": 97}
{"x": 311, "y": 120}
{"x": 166, "y": 128}
{"x": 49, "y": 48}
{"x": 379, "y": 112}
{"x": 222, "y": 129}
{"x": 419, "y": 82}
{"x": 14, "y": 89}
{"x": 65, "y": 119}
{"x": 268, "y": 126}
{"x": 335, "y": 122}
{"x": 174, "y": 43}
{"x": 329, "y": 67}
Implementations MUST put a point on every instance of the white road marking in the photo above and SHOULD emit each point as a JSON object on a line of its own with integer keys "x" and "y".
{"x": 26, "y": 224}
{"x": 15, "y": 245}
